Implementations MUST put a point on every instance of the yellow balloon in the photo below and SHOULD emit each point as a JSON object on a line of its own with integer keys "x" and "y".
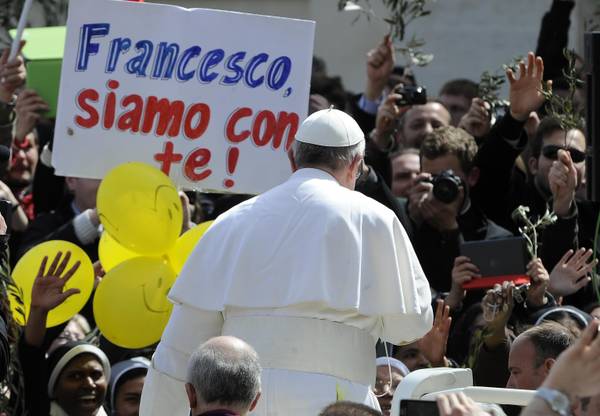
{"x": 186, "y": 244}
{"x": 27, "y": 269}
{"x": 140, "y": 208}
{"x": 130, "y": 305}
{"x": 111, "y": 253}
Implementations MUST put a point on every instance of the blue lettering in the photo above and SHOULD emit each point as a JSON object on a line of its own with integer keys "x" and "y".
{"x": 210, "y": 60}
{"x": 117, "y": 47}
{"x": 251, "y": 67}
{"x": 139, "y": 64}
{"x": 232, "y": 65}
{"x": 86, "y": 46}
{"x": 189, "y": 53}
{"x": 278, "y": 72}
{"x": 166, "y": 53}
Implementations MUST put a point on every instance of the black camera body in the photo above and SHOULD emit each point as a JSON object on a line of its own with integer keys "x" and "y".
{"x": 411, "y": 95}
{"x": 446, "y": 186}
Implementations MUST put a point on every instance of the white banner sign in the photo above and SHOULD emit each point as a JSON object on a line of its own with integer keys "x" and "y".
{"x": 212, "y": 98}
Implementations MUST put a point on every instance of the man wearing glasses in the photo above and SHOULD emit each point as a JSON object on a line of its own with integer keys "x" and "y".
{"x": 550, "y": 138}
{"x": 310, "y": 274}
{"x": 557, "y": 164}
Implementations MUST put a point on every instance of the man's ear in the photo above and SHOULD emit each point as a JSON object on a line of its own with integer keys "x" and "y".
{"x": 548, "y": 364}
{"x": 532, "y": 164}
{"x": 353, "y": 168}
{"x": 473, "y": 177}
{"x": 292, "y": 161}
{"x": 191, "y": 393}
{"x": 254, "y": 402}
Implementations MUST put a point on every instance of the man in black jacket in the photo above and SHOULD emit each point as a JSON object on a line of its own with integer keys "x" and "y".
{"x": 439, "y": 224}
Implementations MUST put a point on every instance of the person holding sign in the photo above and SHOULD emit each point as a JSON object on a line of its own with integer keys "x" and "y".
{"x": 310, "y": 274}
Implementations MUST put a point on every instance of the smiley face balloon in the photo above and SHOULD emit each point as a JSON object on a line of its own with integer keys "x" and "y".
{"x": 140, "y": 208}
{"x": 130, "y": 305}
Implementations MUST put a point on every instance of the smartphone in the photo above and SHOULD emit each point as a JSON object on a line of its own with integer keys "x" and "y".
{"x": 418, "y": 408}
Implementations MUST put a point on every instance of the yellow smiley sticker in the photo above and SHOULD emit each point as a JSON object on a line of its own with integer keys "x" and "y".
{"x": 130, "y": 305}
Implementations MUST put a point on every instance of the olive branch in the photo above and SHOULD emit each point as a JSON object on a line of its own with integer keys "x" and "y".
{"x": 491, "y": 83}
{"x": 563, "y": 108}
{"x": 401, "y": 14}
{"x": 530, "y": 229}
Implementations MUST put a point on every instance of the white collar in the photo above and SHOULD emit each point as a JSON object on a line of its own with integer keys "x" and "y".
{"x": 56, "y": 410}
{"x": 314, "y": 173}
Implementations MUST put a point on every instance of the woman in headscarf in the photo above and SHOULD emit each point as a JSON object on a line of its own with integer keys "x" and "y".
{"x": 78, "y": 380}
{"x": 125, "y": 387}
{"x": 73, "y": 379}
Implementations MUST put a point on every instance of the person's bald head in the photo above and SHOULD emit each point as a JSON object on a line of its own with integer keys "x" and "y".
{"x": 228, "y": 346}
{"x": 224, "y": 372}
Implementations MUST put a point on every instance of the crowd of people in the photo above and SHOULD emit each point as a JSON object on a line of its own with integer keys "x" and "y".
{"x": 537, "y": 337}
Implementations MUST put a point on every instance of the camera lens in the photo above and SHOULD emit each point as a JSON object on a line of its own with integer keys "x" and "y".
{"x": 445, "y": 188}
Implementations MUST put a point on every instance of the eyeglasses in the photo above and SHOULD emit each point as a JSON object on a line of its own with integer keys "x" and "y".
{"x": 551, "y": 152}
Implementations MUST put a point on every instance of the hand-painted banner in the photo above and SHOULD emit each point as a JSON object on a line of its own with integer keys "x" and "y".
{"x": 212, "y": 98}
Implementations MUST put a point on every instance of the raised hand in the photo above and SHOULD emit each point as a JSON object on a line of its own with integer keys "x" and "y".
{"x": 477, "y": 120}
{"x": 462, "y": 272}
{"x": 497, "y": 305}
{"x": 380, "y": 63}
{"x": 386, "y": 121}
{"x": 433, "y": 344}
{"x": 562, "y": 178}
{"x": 526, "y": 91}
{"x": 417, "y": 194}
{"x": 571, "y": 273}
{"x": 28, "y": 110}
{"x": 539, "y": 283}
{"x": 12, "y": 74}
{"x": 48, "y": 287}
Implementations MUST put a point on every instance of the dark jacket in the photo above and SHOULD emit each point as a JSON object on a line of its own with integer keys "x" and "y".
{"x": 437, "y": 250}
{"x": 55, "y": 225}
{"x": 502, "y": 188}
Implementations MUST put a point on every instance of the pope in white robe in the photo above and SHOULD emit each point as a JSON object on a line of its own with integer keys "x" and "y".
{"x": 310, "y": 273}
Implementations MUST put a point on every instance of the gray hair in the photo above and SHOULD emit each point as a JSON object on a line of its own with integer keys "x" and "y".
{"x": 225, "y": 370}
{"x": 549, "y": 340}
{"x": 334, "y": 158}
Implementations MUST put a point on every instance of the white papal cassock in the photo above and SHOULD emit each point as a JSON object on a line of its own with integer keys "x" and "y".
{"x": 310, "y": 274}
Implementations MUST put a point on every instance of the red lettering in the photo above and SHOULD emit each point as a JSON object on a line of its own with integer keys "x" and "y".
{"x": 167, "y": 157}
{"x": 109, "y": 105}
{"x": 263, "y": 117}
{"x": 231, "y": 124}
{"x": 131, "y": 119}
{"x": 170, "y": 114}
{"x": 109, "y": 110}
{"x": 92, "y": 115}
{"x": 285, "y": 121}
{"x": 204, "y": 116}
{"x": 194, "y": 161}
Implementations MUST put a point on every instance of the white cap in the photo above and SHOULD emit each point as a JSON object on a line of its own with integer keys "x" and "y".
{"x": 330, "y": 128}
{"x": 393, "y": 362}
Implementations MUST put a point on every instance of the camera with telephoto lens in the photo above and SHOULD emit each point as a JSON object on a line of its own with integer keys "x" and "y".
{"x": 446, "y": 186}
{"x": 411, "y": 95}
